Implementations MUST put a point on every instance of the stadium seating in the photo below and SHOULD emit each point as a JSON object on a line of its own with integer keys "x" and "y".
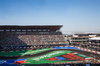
{"x": 31, "y": 39}
{"x": 15, "y": 41}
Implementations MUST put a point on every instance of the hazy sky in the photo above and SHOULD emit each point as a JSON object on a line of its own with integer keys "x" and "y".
{"x": 74, "y": 15}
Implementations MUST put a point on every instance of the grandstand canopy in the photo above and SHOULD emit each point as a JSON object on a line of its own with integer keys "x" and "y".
{"x": 50, "y": 27}
{"x": 95, "y": 38}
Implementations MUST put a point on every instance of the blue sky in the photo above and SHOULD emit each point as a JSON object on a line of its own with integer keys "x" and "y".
{"x": 74, "y": 15}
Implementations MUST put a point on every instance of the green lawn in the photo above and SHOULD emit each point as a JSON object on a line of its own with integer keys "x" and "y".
{"x": 42, "y": 59}
{"x": 26, "y": 52}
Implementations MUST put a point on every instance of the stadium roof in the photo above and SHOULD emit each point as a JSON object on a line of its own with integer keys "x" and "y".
{"x": 51, "y": 27}
{"x": 95, "y": 38}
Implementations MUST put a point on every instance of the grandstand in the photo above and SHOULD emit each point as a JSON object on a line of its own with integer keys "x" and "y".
{"x": 25, "y": 37}
{"x": 41, "y": 45}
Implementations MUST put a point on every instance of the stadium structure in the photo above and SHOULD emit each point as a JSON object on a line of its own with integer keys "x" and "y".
{"x": 41, "y": 45}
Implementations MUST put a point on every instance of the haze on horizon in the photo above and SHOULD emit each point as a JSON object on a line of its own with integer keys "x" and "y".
{"x": 74, "y": 15}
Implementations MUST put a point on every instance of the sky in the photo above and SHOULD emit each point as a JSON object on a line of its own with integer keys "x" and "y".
{"x": 74, "y": 15}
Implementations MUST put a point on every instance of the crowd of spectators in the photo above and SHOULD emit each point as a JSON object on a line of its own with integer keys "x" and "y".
{"x": 92, "y": 46}
{"x": 19, "y": 39}
{"x": 41, "y": 39}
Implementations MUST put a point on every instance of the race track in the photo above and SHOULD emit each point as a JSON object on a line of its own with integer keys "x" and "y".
{"x": 48, "y": 51}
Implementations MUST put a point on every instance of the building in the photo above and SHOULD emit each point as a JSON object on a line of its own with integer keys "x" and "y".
{"x": 90, "y": 41}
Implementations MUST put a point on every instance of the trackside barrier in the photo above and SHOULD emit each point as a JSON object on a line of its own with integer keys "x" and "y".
{"x": 97, "y": 52}
{"x": 66, "y": 47}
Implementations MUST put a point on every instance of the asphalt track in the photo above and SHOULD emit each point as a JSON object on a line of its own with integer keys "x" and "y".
{"x": 97, "y": 56}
